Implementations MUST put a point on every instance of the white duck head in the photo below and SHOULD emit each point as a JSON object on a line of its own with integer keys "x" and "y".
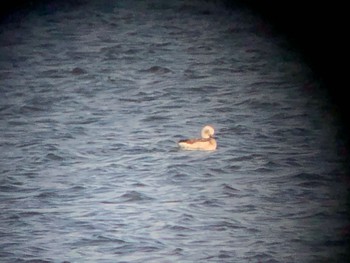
{"x": 207, "y": 132}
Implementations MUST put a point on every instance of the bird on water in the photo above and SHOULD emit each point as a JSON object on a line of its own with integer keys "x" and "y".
{"x": 206, "y": 143}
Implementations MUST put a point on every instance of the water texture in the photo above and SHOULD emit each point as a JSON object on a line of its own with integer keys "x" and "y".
{"x": 95, "y": 97}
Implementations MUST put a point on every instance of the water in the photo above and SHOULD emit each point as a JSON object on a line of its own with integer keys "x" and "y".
{"x": 93, "y": 100}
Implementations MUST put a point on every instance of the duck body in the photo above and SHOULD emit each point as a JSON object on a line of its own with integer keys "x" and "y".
{"x": 198, "y": 144}
{"x": 206, "y": 143}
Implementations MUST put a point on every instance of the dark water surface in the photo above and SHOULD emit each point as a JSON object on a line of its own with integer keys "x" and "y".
{"x": 94, "y": 99}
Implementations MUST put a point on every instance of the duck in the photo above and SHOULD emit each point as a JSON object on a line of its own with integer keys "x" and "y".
{"x": 206, "y": 143}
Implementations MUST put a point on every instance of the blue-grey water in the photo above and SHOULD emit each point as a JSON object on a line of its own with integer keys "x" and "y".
{"x": 93, "y": 100}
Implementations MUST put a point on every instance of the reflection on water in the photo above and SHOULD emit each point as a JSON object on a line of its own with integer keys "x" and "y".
{"x": 93, "y": 101}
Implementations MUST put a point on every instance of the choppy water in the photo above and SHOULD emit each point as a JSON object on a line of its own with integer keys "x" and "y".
{"x": 94, "y": 99}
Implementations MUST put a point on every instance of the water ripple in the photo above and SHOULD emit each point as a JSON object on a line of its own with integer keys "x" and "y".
{"x": 93, "y": 102}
